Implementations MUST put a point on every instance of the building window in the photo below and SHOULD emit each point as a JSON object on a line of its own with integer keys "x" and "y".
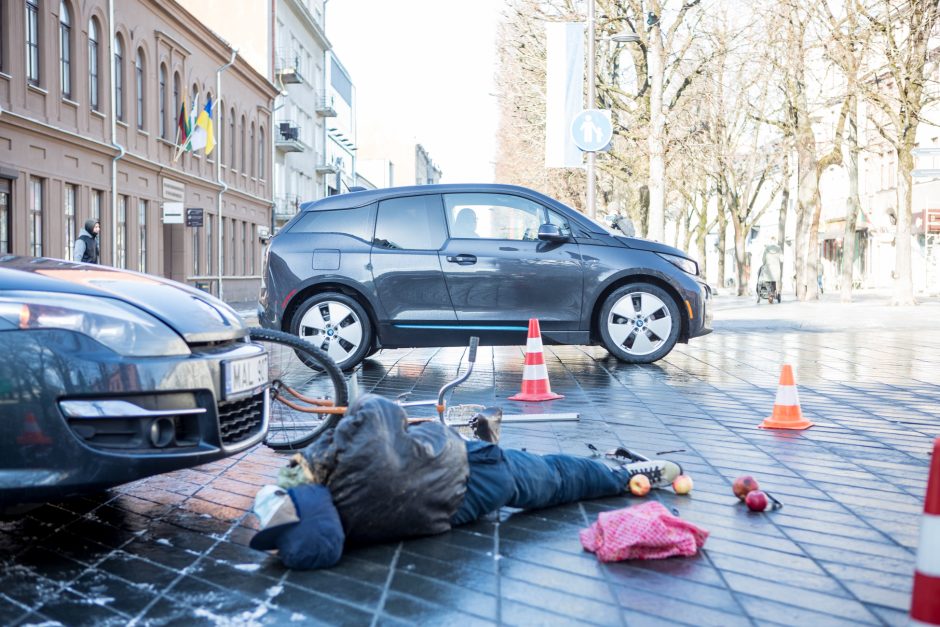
{"x": 121, "y": 232}
{"x": 4, "y": 216}
{"x": 209, "y": 246}
{"x": 65, "y": 49}
{"x": 244, "y": 152}
{"x": 139, "y": 87}
{"x": 119, "y": 78}
{"x": 162, "y": 97}
{"x": 142, "y": 235}
{"x": 93, "y": 89}
{"x": 231, "y": 138}
{"x": 32, "y": 42}
{"x": 196, "y": 250}
{"x": 250, "y": 248}
{"x": 245, "y": 253}
{"x": 97, "y": 199}
{"x": 224, "y": 256}
{"x": 251, "y": 142}
{"x": 35, "y": 217}
{"x": 261, "y": 149}
{"x": 221, "y": 128}
{"x": 71, "y": 193}
{"x": 234, "y": 251}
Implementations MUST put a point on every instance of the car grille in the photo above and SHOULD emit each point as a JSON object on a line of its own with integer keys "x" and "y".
{"x": 241, "y": 419}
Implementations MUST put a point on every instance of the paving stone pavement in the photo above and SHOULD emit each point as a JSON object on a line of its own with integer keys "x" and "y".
{"x": 173, "y": 549}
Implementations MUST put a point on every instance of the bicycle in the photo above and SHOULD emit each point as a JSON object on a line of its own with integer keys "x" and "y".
{"x": 309, "y": 393}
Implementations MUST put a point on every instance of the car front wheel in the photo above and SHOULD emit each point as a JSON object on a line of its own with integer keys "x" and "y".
{"x": 336, "y": 324}
{"x": 639, "y": 323}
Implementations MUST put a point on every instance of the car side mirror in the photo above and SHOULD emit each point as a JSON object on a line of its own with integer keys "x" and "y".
{"x": 551, "y": 233}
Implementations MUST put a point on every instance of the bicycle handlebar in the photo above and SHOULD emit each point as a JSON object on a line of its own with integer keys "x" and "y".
{"x": 474, "y": 342}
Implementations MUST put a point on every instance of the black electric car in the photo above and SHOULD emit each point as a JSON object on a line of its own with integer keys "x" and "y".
{"x": 433, "y": 265}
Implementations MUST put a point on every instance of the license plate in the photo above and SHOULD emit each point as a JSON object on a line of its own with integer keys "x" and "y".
{"x": 243, "y": 375}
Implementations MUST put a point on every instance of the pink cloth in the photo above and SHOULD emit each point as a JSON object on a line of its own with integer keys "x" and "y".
{"x": 645, "y": 532}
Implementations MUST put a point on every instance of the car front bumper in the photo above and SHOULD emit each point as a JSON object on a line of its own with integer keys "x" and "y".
{"x": 49, "y": 452}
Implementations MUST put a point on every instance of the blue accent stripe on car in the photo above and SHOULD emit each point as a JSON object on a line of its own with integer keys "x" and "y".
{"x": 452, "y": 327}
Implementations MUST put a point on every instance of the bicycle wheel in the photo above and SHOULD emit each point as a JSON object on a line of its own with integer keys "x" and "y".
{"x": 297, "y": 367}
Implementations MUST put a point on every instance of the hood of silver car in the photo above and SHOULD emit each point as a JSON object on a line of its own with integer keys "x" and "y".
{"x": 196, "y": 316}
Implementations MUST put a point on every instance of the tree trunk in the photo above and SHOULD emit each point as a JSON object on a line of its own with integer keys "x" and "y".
{"x": 807, "y": 196}
{"x": 851, "y": 205}
{"x": 740, "y": 262}
{"x": 642, "y": 220}
{"x": 904, "y": 282}
{"x": 700, "y": 232}
{"x": 722, "y": 237}
{"x": 782, "y": 216}
{"x": 812, "y": 248}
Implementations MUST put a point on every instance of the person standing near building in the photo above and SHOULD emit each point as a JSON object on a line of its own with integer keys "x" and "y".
{"x": 86, "y": 246}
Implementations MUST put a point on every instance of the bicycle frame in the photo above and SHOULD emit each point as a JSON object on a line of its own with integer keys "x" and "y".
{"x": 325, "y": 406}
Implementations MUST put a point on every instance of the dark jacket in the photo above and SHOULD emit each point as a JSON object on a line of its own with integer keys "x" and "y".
{"x": 86, "y": 246}
{"x": 389, "y": 480}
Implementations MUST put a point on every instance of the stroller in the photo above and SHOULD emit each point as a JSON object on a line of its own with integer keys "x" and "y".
{"x": 767, "y": 288}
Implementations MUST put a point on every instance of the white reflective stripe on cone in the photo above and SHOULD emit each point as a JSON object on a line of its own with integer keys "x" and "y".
{"x": 928, "y": 550}
{"x": 533, "y": 345}
{"x": 786, "y": 395}
{"x": 535, "y": 372}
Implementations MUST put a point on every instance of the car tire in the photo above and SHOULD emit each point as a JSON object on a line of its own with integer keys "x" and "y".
{"x": 337, "y": 324}
{"x": 639, "y": 323}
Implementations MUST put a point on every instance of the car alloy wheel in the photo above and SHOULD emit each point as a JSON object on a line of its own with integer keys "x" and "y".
{"x": 337, "y": 325}
{"x": 640, "y": 323}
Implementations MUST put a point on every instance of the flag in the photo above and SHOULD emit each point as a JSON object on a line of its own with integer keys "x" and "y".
{"x": 203, "y": 135}
{"x": 183, "y": 129}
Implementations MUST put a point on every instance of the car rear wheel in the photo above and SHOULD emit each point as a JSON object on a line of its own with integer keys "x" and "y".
{"x": 639, "y": 323}
{"x": 337, "y": 325}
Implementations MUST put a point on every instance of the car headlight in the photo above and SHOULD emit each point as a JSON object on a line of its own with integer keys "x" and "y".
{"x": 121, "y": 327}
{"x": 686, "y": 265}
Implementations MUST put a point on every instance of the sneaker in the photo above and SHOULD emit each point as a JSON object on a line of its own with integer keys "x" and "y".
{"x": 660, "y": 472}
{"x": 625, "y": 455}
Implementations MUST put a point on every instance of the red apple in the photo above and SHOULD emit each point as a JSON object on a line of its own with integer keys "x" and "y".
{"x": 682, "y": 484}
{"x": 756, "y": 501}
{"x": 639, "y": 485}
{"x": 743, "y": 485}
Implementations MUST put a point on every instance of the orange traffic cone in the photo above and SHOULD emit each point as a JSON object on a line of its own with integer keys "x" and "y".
{"x": 787, "y": 413}
{"x": 32, "y": 434}
{"x": 535, "y": 386}
{"x": 925, "y": 598}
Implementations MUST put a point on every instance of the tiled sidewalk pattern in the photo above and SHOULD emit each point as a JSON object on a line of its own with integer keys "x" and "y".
{"x": 172, "y": 549}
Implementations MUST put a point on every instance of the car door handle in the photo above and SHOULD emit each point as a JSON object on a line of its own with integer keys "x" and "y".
{"x": 463, "y": 260}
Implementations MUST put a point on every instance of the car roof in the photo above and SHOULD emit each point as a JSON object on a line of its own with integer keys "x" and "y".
{"x": 358, "y": 199}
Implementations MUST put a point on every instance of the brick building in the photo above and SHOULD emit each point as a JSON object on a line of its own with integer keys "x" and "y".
{"x": 74, "y": 144}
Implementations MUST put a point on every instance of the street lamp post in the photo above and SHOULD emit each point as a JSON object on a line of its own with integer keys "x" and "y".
{"x": 591, "y": 101}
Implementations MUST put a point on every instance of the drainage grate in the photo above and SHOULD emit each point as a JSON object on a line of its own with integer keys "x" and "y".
{"x": 241, "y": 419}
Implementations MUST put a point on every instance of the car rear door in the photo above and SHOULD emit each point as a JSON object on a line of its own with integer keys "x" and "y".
{"x": 406, "y": 269}
{"x": 501, "y": 272}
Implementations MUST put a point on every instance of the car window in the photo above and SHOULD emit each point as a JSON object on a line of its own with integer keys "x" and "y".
{"x": 411, "y": 223}
{"x": 356, "y": 222}
{"x": 493, "y": 216}
{"x": 560, "y": 221}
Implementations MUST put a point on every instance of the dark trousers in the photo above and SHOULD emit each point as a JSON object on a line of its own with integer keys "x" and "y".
{"x": 510, "y": 478}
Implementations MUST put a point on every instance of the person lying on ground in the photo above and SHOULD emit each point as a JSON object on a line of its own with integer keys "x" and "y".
{"x": 374, "y": 478}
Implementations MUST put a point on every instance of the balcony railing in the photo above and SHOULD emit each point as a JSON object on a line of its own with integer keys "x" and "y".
{"x": 325, "y": 105}
{"x": 287, "y": 138}
{"x": 286, "y": 207}
{"x": 287, "y": 67}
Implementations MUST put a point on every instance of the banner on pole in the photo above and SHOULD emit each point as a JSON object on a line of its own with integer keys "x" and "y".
{"x": 564, "y": 91}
